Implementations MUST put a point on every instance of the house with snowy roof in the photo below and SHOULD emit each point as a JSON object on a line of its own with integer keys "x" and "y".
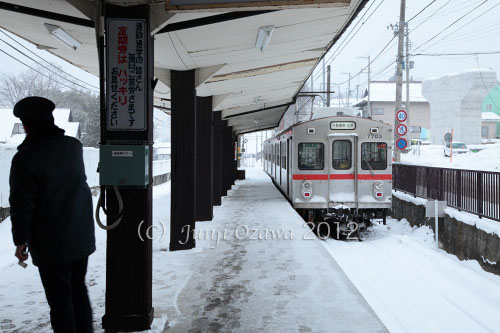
{"x": 12, "y": 131}
{"x": 383, "y": 105}
{"x": 490, "y": 125}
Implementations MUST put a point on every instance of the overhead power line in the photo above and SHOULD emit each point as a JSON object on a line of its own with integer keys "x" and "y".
{"x": 484, "y": 84}
{"x": 339, "y": 49}
{"x": 41, "y": 58}
{"x": 455, "y": 54}
{"x": 451, "y": 25}
{"x": 430, "y": 16}
{"x": 371, "y": 62}
{"x": 373, "y": 59}
{"x": 48, "y": 69}
{"x": 345, "y": 41}
{"x": 421, "y": 11}
{"x": 466, "y": 24}
{"x": 23, "y": 63}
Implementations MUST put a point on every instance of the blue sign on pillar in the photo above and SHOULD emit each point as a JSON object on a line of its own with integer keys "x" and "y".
{"x": 401, "y": 143}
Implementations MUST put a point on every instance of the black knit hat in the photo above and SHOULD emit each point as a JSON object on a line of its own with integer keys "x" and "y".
{"x": 34, "y": 108}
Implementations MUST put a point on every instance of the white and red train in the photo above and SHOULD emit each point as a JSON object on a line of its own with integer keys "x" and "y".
{"x": 336, "y": 170}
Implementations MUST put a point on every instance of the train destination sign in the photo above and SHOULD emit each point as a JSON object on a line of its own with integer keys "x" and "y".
{"x": 221, "y": 5}
{"x": 126, "y": 75}
{"x": 401, "y": 116}
{"x": 342, "y": 125}
{"x": 401, "y": 129}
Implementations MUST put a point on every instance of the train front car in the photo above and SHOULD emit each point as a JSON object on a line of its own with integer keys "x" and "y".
{"x": 341, "y": 173}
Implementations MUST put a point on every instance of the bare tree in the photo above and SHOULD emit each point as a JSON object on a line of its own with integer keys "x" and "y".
{"x": 84, "y": 105}
{"x": 38, "y": 82}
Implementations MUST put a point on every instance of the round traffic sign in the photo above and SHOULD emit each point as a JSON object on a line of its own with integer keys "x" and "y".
{"x": 401, "y": 115}
{"x": 401, "y": 143}
{"x": 401, "y": 129}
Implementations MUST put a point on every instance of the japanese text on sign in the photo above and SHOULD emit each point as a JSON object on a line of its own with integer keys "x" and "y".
{"x": 342, "y": 125}
{"x": 126, "y": 70}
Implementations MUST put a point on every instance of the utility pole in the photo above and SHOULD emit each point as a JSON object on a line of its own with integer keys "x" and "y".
{"x": 328, "y": 89}
{"x": 368, "y": 108}
{"x": 348, "y": 88}
{"x": 324, "y": 79}
{"x": 407, "y": 67}
{"x": 339, "y": 96}
{"x": 399, "y": 76}
{"x": 256, "y": 147}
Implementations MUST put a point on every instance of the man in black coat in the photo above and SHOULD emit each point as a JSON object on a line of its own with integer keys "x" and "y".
{"x": 51, "y": 213}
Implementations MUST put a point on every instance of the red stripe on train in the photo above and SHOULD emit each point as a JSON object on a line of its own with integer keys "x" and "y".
{"x": 342, "y": 177}
{"x": 376, "y": 177}
{"x": 310, "y": 177}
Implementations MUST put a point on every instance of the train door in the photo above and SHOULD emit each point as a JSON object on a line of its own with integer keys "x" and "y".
{"x": 280, "y": 160}
{"x": 276, "y": 161}
{"x": 342, "y": 170}
{"x": 288, "y": 166}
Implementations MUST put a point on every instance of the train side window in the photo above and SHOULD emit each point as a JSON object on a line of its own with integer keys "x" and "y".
{"x": 374, "y": 156}
{"x": 283, "y": 155}
{"x": 311, "y": 156}
{"x": 342, "y": 155}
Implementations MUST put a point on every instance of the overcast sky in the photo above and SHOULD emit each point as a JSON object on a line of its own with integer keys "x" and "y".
{"x": 478, "y": 31}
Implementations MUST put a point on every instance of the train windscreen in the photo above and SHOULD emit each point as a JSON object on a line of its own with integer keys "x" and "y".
{"x": 342, "y": 155}
{"x": 311, "y": 156}
{"x": 374, "y": 156}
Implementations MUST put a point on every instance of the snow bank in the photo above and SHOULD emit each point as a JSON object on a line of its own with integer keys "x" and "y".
{"x": 413, "y": 287}
{"x": 409, "y": 198}
{"x": 487, "y": 159}
{"x": 90, "y": 160}
{"x": 487, "y": 225}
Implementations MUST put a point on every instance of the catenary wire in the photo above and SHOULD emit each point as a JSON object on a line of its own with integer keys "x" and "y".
{"x": 49, "y": 63}
{"x": 23, "y": 63}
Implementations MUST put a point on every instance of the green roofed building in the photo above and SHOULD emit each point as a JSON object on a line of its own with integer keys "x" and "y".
{"x": 490, "y": 124}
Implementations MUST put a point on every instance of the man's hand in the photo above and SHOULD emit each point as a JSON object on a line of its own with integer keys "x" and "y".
{"x": 21, "y": 253}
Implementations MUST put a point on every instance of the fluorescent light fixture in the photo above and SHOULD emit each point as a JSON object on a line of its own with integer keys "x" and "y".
{"x": 63, "y": 36}
{"x": 264, "y": 37}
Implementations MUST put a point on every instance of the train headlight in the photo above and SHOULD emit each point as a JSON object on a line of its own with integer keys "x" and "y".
{"x": 307, "y": 189}
{"x": 378, "y": 190}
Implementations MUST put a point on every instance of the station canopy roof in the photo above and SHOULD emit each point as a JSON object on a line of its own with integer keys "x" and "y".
{"x": 252, "y": 88}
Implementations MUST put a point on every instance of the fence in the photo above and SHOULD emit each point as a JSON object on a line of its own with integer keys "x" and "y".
{"x": 161, "y": 172}
{"x": 476, "y": 192}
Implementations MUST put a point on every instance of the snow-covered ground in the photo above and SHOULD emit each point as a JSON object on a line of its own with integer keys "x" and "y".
{"x": 487, "y": 159}
{"x": 410, "y": 286}
{"x": 23, "y": 307}
{"x": 413, "y": 287}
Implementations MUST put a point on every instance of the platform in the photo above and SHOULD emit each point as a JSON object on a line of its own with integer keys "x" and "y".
{"x": 285, "y": 282}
